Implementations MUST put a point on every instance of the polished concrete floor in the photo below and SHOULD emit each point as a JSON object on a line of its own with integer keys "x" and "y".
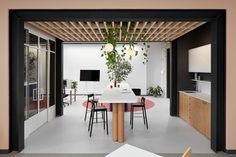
{"x": 68, "y": 134}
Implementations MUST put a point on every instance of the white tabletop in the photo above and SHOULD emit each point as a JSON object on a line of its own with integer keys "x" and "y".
{"x": 122, "y": 94}
{"x": 131, "y": 151}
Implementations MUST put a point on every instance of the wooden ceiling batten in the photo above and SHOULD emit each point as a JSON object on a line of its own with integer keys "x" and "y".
{"x": 72, "y": 30}
{"x": 99, "y": 29}
{"x": 89, "y": 24}
{"x": 141, "y": 30}
{"x": 38, "y": 26}
{"x": 182, "y": 25}
{"x": 80, "y": 23}
{"x": 134, "y": 31}
{"x": 167, "y": 24}
{"x": 171, "y": 28}
{"x": 93, "y": 31}
{"x": 129, "y": 23}
{"x": 148, "y": 30}
{"x": 72, "y": 38}
{"x": 159, "y": 25}
{"x": 120, "y": 30}
{"x": 75, "y": 26}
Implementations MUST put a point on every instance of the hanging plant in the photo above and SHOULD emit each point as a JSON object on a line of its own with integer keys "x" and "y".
{"x": 118, "y": 66}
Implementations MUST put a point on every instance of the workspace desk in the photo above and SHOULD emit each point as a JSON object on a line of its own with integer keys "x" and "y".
{"x": 118, "y": 96}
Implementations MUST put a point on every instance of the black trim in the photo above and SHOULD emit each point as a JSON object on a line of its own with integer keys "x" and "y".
{"x": 173, "y": 80}
{"x": 59, "y": 78}
{"x": 218, "y": 82}
{"x": 4, "y": 151}
{"x": 168, "y": 73}
{"x": 230, "y": 151}
{"x": 16, "y": 75}
{"x": 17, "y": 17}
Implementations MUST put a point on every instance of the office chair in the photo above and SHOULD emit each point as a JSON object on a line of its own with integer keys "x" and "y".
{"x": 138, "y": 105}
{"x": 96, "y": 109}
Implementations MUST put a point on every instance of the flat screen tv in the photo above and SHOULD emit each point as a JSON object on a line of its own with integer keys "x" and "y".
{"x": 89, "y": 75}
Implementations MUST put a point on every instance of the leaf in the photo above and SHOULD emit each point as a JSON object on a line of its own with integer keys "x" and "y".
{"x": 130, "y": 57}
{"x": 148, "y": 46}
{"x": 136, "y": 53}
{"x": 102, "y": 55}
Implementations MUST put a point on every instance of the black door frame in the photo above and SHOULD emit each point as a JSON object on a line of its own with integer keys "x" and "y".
{"x": 17, "y": 17}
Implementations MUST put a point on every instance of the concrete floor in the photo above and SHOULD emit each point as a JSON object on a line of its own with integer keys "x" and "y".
{"x": 68, "y": 134}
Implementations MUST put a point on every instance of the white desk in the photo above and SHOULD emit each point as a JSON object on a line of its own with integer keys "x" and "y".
{"x": 118, "y": 97}
{"x": 131, "y": 151}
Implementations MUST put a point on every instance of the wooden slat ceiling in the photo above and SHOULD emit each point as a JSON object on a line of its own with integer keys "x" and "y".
{"x": 70, "y": 31}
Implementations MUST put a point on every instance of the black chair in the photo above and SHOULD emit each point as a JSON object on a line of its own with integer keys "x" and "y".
{"x": 64, "y": 96}
{"x": 138, "y": 105}
{"x": 96, "y": 109}
{"x": 89, "y": 100}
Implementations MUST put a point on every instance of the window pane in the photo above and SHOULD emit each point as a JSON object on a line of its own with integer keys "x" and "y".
{"x": 33, "y": 40}
{"x": 42, "y": 72}
{"x": 32, "y": 81}
{"x": 52, "y": 80}
{"x": 52, "y": 45}
{"x": 26, "y": 36}
{"x": 43, "y": 44}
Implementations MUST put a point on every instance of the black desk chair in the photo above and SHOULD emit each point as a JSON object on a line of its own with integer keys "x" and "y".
{"x": 138, "y": 105}
{"x": 96, "y": 109}
{"x": 89, "y": 100}
{"x": 64, "y": 96}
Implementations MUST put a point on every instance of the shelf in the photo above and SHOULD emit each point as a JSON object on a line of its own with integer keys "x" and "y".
{"x": 201, "y": 81}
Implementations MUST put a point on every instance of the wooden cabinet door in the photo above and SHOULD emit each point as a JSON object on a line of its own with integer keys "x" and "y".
{"x": 206, "y": 110}
{"x": 194, "y": 110}
{"x": 183, "y": 106}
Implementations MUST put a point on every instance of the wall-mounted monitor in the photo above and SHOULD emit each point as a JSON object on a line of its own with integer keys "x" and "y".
{"x": 89, "y": 75}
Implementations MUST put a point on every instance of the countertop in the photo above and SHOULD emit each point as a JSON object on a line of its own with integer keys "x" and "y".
{"x": 198, "y": 95}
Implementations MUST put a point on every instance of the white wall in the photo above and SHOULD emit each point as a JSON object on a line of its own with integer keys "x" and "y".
{"x": 156, "y": 66}
{"x": 88, "y": 56}
{"x": 204, "y": 87}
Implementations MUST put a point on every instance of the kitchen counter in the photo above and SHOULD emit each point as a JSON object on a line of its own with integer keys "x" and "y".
{"x": 198, "y": 95}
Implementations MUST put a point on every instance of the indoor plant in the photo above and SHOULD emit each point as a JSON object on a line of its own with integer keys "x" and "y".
{"x": 155, "y": 91}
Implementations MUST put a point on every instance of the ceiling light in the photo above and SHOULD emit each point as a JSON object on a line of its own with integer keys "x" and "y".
{"x": 108, "y": 47}
{"x": 130, "y": 51}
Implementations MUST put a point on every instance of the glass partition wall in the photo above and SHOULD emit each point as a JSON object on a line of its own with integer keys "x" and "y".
{"x": 39, "y": 83}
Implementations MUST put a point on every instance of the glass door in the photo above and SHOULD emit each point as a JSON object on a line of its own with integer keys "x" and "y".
{"x": 36, "y": 83}
{"x": 42, "y": 71}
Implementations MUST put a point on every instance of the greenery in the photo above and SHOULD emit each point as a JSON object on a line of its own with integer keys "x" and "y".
{"x": 119, "y": 70}
{"x": 155, "y": 91}
{"x": 117, "y": 64}
{"x": 74, "y": 84}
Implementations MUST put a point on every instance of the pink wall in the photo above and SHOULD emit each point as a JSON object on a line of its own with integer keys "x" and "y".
{"x": 230, "y": 5}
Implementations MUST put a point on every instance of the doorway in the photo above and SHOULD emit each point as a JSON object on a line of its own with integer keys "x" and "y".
{"x": 216, "y": 17}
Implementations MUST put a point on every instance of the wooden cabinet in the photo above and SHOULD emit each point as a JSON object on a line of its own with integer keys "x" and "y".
{"x": 196, "y": 112}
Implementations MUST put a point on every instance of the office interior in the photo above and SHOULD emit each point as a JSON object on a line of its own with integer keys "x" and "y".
{"x": 82, "y": 43}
